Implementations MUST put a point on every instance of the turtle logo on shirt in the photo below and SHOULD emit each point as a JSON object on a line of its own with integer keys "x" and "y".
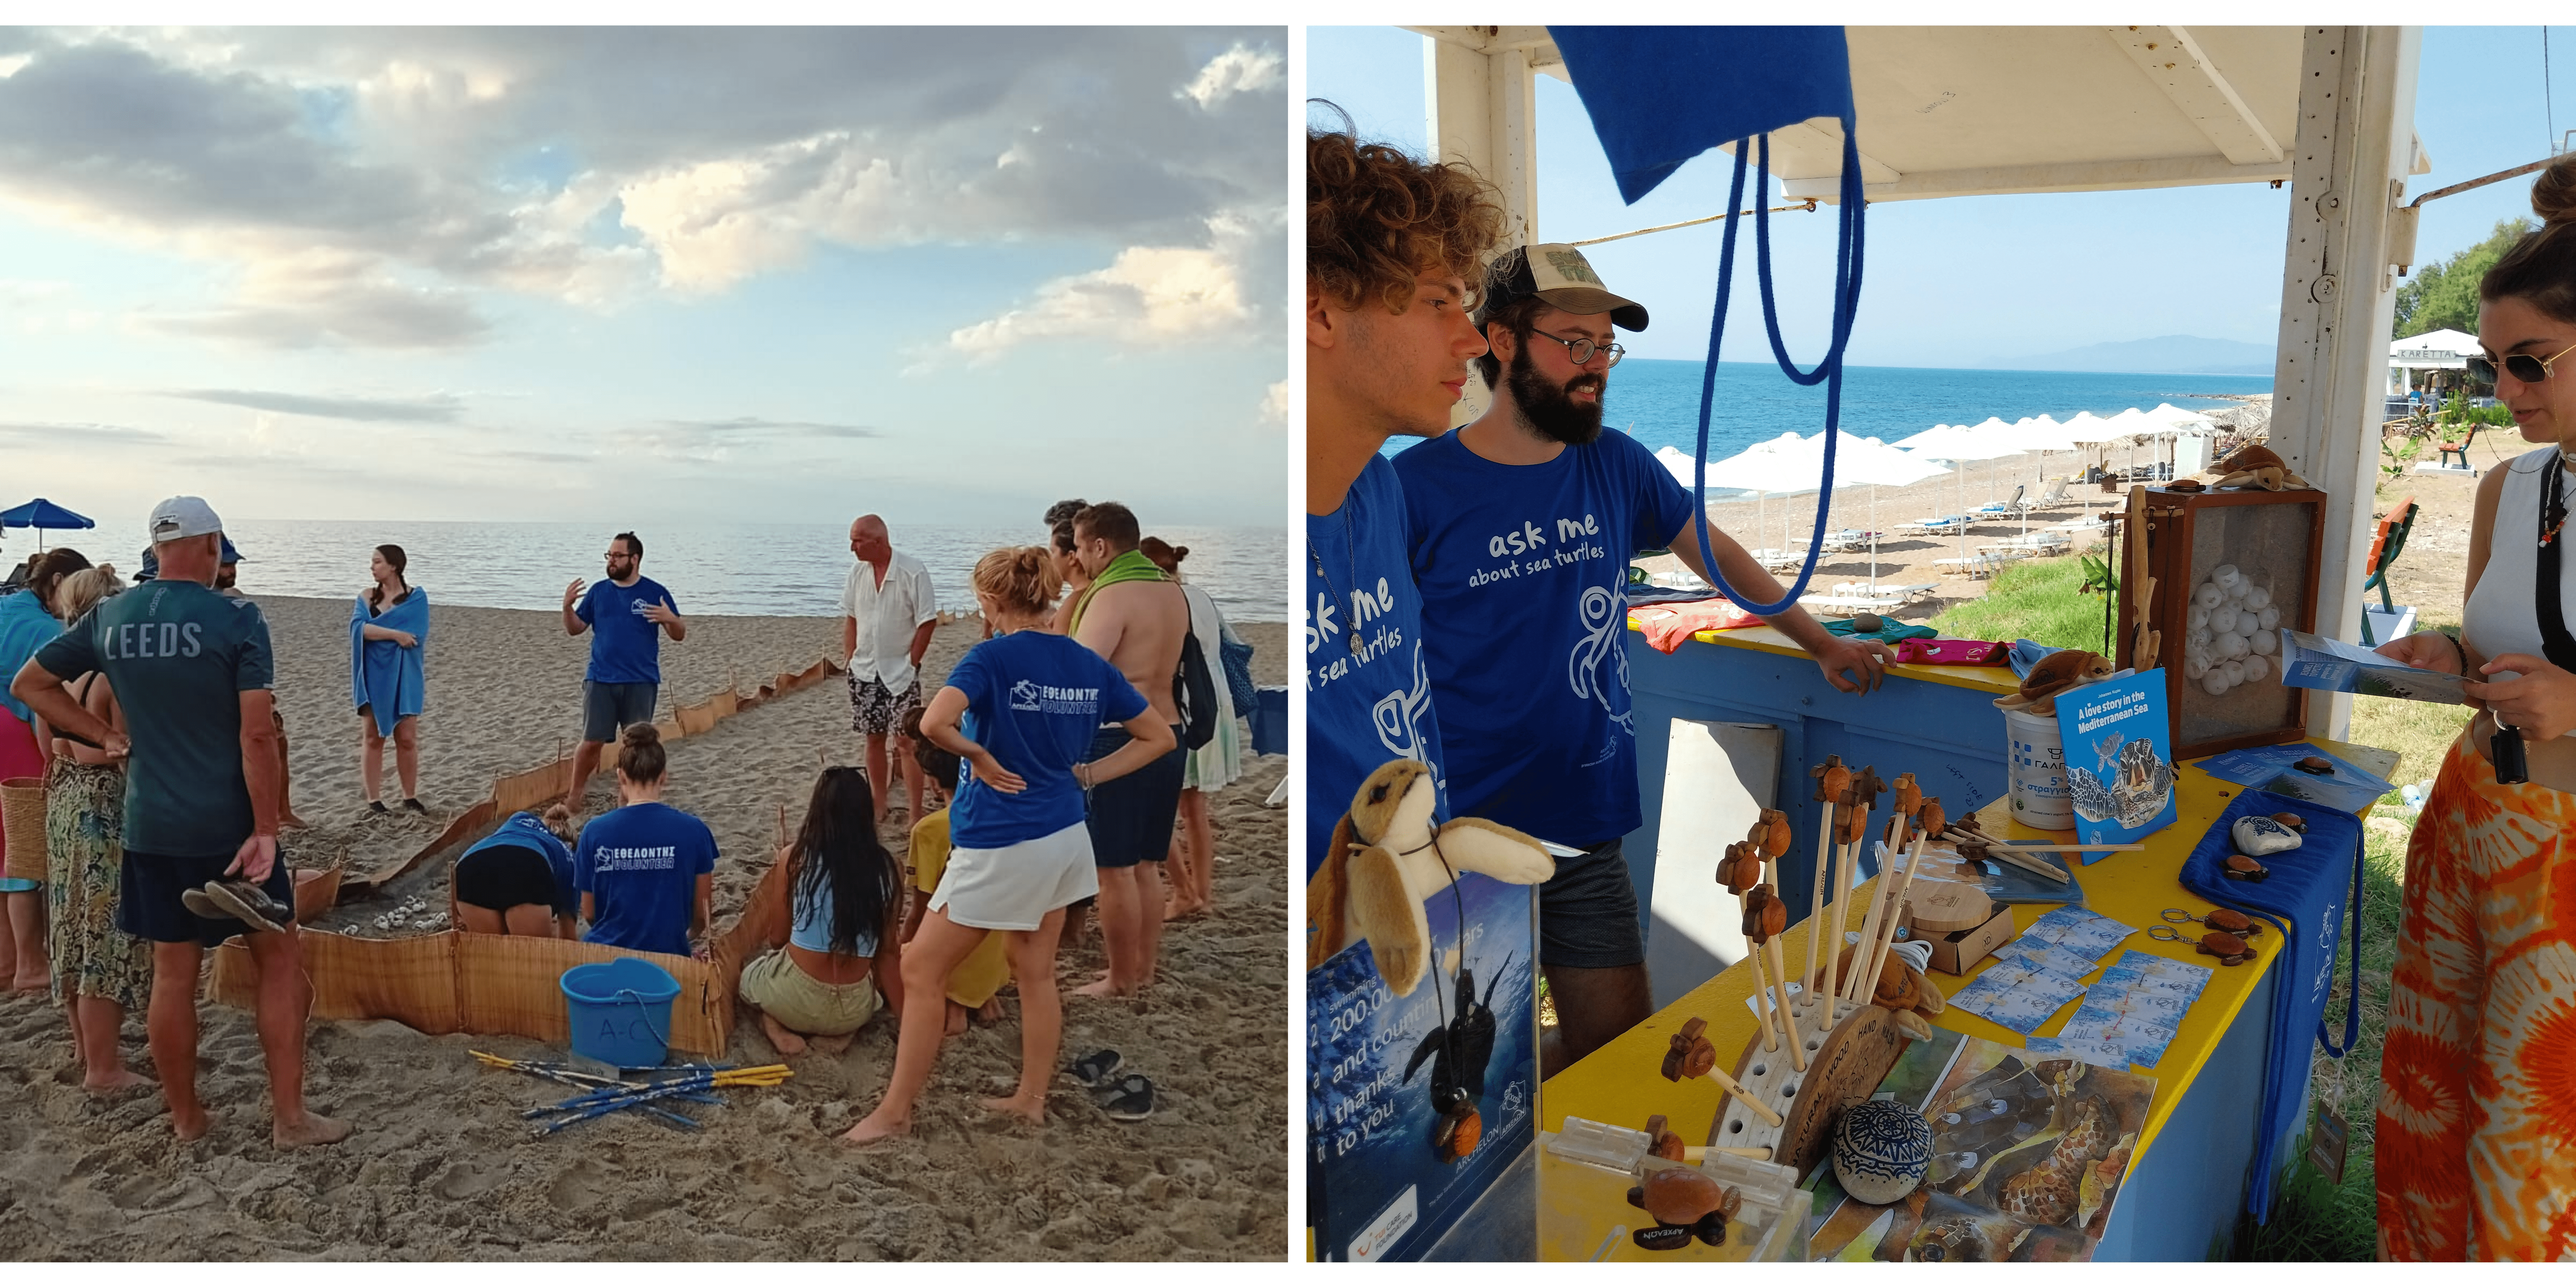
{"x": 1399, "y": 714}
{"x": 1599, "y": 611}
{"x": 1024, "y": 696}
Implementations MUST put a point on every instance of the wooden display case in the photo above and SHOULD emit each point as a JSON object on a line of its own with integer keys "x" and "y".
{"x": 2176, "y": 541}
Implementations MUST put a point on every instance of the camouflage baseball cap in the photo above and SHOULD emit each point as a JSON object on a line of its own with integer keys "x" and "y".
{"x": 1558, "y": 274}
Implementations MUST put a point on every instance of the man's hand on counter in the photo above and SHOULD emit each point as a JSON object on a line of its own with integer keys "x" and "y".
{"x": 1864, "y": 662}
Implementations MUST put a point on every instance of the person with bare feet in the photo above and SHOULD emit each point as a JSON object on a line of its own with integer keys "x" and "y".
{"x": 1020, "y": 709}
{"x": 888, "y": 614}
{"x": 1192, "y": 868}
{"x": 100, "y": 972}
{"x": 191, "y": 671}
{"x": 841, "y": 901}
{"x": 518, "y": 881}
{"x": 28, "y": 620}
{"x": 1136, "y": 617}
{"x": 627, "y": 615}
{"x": 227, "y": 584}
{"x": 973, "y": 985}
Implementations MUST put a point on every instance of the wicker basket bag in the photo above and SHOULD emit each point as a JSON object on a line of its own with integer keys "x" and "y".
{"x": 22, "y": 818}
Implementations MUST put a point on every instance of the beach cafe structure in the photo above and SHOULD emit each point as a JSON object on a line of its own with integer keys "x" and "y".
{"x": 1731, "y": 722}
{"x": 2429, "y": 353}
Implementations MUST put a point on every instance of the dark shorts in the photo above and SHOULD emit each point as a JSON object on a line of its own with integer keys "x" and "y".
{"x": 1587, "y": 913}
{"x": 148, "y": 906}
{"x": 505, "y": 877}
{"x": 607, "y": 708}
{"x": 876, "y": 709}
{"x": 1131, "y": 817}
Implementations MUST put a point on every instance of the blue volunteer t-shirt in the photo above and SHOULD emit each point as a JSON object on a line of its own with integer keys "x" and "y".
{"x": 1034, "y": 700}
{"x": 527, "y": 831}
{"x": 1368, "y": 692}
{"x": 624, "y": 648}
{"x": 640, "y": 864}
{"x": 1523, "y": 570}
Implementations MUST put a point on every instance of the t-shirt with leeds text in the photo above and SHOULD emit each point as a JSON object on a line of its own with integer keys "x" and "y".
{"x": 1368, "y": 693}
{"x": 1523, "y": 570}
{"x": 640, "y": 864}
{"x": 1034, "y": 700}
{"x": 624, "y": 647}
{"x": 179, "y": 657}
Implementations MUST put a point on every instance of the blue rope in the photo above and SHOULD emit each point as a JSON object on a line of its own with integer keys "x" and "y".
{"x": 1847, "y": 275}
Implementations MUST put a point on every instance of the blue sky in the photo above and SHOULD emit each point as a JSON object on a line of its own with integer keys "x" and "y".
{"x": 597, "y": 275}
{"x": 1971, "y": 280}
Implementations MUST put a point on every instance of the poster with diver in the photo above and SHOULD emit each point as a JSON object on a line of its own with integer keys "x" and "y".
{"x": 1415, "y": 1105}
{"x": 2119, "y": 759}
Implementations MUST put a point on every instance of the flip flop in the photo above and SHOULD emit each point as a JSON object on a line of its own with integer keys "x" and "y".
{"x": 1093, "y": 1070}
{"x": 245, "y": 903}
{"x": 1130, "y": 1099}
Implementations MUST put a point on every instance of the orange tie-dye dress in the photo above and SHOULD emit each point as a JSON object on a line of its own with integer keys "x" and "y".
{"x": 2477, "y": 1104}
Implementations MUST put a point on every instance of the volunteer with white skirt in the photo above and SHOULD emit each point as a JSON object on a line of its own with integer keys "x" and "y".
{"x": 1021, "y": 709}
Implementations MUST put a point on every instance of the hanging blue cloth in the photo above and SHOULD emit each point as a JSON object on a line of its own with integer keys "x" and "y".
{"x": 2312, "y": 892}
{"x": 385, "y": 677}
{"x": 1659, "y": 96}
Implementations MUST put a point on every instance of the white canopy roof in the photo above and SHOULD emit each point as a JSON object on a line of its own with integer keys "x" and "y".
{"x": 1793, "y": 464}
{"x": 2181, "y": 418}
{"x": 2085, "y": 427}
{"x": 2444, "y": 349}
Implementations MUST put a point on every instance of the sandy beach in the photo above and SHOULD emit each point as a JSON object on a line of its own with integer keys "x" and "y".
{"x": 443, "y": 1167}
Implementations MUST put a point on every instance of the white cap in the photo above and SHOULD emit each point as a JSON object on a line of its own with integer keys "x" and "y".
{"x": 182, "y": 517}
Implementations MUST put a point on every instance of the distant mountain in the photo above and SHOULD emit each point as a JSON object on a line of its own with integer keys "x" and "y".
{"x": 2165, "y": 354}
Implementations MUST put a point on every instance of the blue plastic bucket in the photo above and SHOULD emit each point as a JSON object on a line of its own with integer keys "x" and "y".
{"x": 620, "y": 1011}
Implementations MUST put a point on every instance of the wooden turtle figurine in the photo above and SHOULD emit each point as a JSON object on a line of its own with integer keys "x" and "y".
{"x": 1663, "y": 1141}
{"x": 2291, "y": 821}
{"x": 2227, "y": 919}
{"x": 1833, "y": 779}
{"x": 1687, "y": 1203}
{"x": 1909, "y": 795}
{"x": 1776, "y": 836}
{"x": 1740, "y": 869}
{"x": 1764, "y": 915}
{"x": 1692, "y": 1055}
{"x": 2227, "y": 948}
{"x": 2240, "y": 868}
{"x": 2317, "y": 765}
{"x": 1931, "y": 818}
{"x": 1454, "y": 1137}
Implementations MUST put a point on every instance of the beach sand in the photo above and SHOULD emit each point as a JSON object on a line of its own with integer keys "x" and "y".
{"x": 443, "y": 1167}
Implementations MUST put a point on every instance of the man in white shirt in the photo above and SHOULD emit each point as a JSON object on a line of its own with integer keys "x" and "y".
{"x": 888, "y": 611}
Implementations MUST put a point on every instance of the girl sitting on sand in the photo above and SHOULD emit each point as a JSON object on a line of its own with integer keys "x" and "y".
{"x": 646, "y": 871}
{"x": 519, "y": 880}
{"x": 1021, "y": 709}
{"x": 845, "y": 902}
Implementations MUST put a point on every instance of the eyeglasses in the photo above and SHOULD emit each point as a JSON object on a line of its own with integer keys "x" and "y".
{"x": 2522, "y": 366}
{"x": 1581, "y": 348}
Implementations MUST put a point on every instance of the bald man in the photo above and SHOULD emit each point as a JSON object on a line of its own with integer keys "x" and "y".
{"x": 888, "y": 612}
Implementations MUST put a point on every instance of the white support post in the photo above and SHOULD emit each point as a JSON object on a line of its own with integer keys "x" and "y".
{"x": 1482, "y": 102}
{"x": 2349, "y": 160}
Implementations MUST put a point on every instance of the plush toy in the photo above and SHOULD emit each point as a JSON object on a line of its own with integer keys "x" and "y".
{"x": 1386, "y": 858}
{"x": 2064, "y": 669}
{"x": 2255, "y": 465}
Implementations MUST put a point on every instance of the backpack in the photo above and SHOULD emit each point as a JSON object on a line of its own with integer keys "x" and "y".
{"x": 1194, "y": 693}
{"x": 1237, "y": 659}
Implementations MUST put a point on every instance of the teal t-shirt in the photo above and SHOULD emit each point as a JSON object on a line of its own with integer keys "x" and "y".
{"x": 179, "y": 657}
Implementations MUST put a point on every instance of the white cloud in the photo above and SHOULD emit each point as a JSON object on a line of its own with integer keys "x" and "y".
{"x": 1240, "y": 70}
{"x": 1274, "y": 404}
{"x": 1150, "y": 296}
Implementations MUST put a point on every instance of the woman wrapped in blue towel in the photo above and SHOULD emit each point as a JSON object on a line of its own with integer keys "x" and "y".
{"x": 388, "y": 647}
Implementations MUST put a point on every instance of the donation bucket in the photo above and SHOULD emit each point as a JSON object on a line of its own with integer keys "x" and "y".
{"x": 2041, "y": 796}
{"x": 620, "y": 1011}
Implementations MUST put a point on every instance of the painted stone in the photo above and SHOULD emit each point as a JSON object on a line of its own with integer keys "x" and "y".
{"x": 1881, "y": 1151}
{"x": 2257, "y": 835}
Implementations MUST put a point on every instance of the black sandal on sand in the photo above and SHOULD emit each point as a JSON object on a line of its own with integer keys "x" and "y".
{"x": 413, "y": 804}
{"x": 1093, "y": 1070}
{"x": 377, "y": 807}
{"x": 1130, "y": 1099}
{"x": 241, "y": 901}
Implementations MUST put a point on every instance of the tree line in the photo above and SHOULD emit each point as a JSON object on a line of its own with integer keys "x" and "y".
{"x": 2445, "y": 293}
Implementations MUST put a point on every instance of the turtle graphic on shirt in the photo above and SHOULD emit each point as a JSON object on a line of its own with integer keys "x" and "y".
{"x": 1024, "y": 696}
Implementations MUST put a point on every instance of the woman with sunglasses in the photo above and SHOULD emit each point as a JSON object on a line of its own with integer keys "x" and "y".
{"x": 2475, "y": 1117}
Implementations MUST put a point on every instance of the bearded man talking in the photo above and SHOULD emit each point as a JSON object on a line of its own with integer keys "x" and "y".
{"x": 1522, "y": 525}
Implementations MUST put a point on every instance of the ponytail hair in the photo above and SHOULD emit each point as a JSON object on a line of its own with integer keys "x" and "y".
{"x": 2541, "y": 268}
{"x": 640, "y": 756}
{"x": 1020, "y": 578}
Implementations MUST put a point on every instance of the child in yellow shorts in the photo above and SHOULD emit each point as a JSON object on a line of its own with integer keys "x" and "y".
{"x": 972, "y": 985}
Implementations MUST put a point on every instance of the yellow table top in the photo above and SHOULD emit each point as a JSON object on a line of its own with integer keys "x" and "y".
{"x": 1622, "y": 1083}
{"x": 1767, "y": 639}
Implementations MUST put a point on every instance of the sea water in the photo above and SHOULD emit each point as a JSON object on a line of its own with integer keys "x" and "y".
{"x": 743, "y": 569}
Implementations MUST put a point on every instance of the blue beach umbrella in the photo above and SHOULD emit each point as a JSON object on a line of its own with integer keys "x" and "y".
{"x": 41, "y": 514}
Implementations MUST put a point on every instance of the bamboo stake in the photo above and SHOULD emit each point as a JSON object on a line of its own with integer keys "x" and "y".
{"x": 1846, "y": 873}
{"x": 1780, "y": 971}
{"x": 1859, "y": 985}
{"x": 1750, "y": 1101}
{"x": 1896, "y": 906}
{"x": 1816, "y": 899}
{"x": 1697, "y": 1153}
{"x": 1770, "y": 1040}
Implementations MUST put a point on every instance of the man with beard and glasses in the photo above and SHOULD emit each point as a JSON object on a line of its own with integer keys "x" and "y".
{"x": 1522, "y": 526}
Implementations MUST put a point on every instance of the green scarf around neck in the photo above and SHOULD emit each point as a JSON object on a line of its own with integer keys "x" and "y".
{"x": 1131, "y": 566}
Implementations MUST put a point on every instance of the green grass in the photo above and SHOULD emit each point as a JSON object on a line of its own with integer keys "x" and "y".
{"x": 2035, "y": 599}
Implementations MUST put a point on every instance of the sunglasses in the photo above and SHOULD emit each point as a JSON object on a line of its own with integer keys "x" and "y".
{"x": 2521, "y": 366}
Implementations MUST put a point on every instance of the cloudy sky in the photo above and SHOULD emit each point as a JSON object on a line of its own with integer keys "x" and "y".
{"x": 785, "y": 275}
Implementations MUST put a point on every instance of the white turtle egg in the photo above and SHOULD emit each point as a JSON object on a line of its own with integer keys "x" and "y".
{"x": 2257, "y": 598}
{"x": 2199, "y": 617}
{"x": 2209, "y": 595}
{"x": 2215, "y": 682}
{"x": 2263, "y": 642}
{"x": 2248, "y": 623}
{"x": 2235, "y": 672}
{"x": 2255, "y": 668}
{"x": 2226, "y": 576}
{"x": 2193, "y": 667}
{"x": 2268, "y": 618}
{"x": 2200, "y": 638}
{"x": 2230, "y": 644}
